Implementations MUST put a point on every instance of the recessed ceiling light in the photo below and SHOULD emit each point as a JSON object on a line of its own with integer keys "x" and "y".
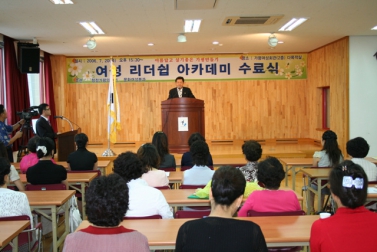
{"x": 150, "y": 44}
{"x": 61, "y": 1}
{"x": 92, "y": 28}
{"x": 280, "y": 42}
{"x": 293, "y": 23}
{"x": 374, "y": 28}
{"x": 215, "y": 42}
{"x": 192, "y": 25}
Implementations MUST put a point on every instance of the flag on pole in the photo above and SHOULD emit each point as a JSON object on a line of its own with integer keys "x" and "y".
{"x": 113, "y": 106}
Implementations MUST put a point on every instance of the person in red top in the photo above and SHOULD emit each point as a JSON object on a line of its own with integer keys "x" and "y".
{"x": 352, "y": 227}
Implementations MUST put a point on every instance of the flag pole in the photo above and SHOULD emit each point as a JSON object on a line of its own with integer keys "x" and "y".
{"x": 109, "y": 152}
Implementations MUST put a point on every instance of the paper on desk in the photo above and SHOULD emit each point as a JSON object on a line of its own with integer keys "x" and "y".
{"x": 372, "y": 190}
{"x": 167, "y": 174}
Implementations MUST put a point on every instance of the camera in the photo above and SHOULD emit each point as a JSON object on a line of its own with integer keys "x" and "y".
{"x": 27, "y": 114}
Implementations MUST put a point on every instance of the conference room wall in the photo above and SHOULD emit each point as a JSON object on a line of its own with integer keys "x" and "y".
{"x": 234, "y": 109}
{"x": 328, "y": 67}
{"x": 363, "y": 80}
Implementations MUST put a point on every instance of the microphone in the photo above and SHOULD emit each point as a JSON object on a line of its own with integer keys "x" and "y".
{"x": 61, "y": 117}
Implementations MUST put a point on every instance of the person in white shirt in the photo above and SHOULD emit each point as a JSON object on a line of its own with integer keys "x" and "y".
{"x": 358, "y": 149}
{"x": 12, "y": 203}
{"x": 199, "y": 174}
{"x": 143, "y": 199}
{"x": 148, "y": 155}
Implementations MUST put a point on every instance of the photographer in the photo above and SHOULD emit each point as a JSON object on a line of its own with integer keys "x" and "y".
{"x": 6, "y": 130}
{"x": 43, "y": 125}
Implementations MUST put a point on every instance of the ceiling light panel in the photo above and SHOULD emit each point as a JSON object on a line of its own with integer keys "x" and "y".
{"x": 292, "y": 24}
{"x": 374, "y": 28}
{"x": 192, "y": 25}
{"x": 61, "y": 1}
{"x": 92, "y": 28}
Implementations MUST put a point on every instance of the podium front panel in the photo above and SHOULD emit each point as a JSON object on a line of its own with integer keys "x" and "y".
{"x": 171, "y": 110}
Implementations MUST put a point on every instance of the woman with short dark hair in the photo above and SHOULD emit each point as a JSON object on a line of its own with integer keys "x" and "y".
{"x": 352, "y": 227}
{"x": 358, "y": 149}
{"x": 82, "y": 159}
{"x": 187, "y": 156}
{"x": 160, "y": 141}
{"x": 199, "y": 174}
{"x": 271, "y": 199}
{"x": 150, "y": 159}
{"x": 106, "y": 205}
{"x": 253, "y": 152}
{"x": 144, "y": 199}
{"x": 219, "y": 231}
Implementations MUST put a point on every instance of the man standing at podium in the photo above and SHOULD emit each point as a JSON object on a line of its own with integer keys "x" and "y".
{"x": 43, "y": 125}
{"x": 180, "y": 91}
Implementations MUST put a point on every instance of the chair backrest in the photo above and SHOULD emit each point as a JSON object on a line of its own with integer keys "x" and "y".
{"x": 143, "y": 217}
{"x": 47, "y": 187}
{"x": 290, "y": 213}
{"x": 87, "y": 171}
{"x": 191, "y": 214}
{"x": 168, "y": 169}
{"x": 162, "y": 187}
{"x": 191, "y": 186}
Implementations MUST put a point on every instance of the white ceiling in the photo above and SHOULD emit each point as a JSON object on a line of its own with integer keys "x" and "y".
{"x": 131, "y": 24}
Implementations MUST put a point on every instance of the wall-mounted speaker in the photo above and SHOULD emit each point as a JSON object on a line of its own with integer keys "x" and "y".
{"x": 28, "y": 59}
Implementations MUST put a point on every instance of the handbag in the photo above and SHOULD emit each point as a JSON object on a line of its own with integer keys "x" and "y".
{"x": 74, "y": 215}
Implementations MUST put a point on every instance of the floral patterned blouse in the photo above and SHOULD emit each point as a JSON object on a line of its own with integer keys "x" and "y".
{"x": 250, "y": 171}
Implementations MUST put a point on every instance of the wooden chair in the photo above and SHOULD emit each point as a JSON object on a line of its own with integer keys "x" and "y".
{"x": 173, "y": 169}
{"x": 25, "y": 238}
{"x": 162, "y": 187}
{"x": 143, "y": 217}
{"x": 181, "y": 214}
{"x": 291, "y": 213}
{"x": 30, "y": 187}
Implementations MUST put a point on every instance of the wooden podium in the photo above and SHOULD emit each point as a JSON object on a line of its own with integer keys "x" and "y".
{"x": 66, "y": 144}
{"x": 190, "y": 108}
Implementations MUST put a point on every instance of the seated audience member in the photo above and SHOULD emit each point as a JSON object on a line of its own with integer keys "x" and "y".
{"x": 31, "y": 158}
{"x": 82, "y": 159}
{"x": 45, "y": 171}
{"x": 329, "y": 156}
{"x": 271, "y": 199}
{"x": 358, "y": 149}
{"x": 253, "y": 152}
{"x": 160, "y": 141}
{"x": 199, "y": 174}
{"x": 352, "y": 227}
{"x": 12, "y": 203}
{"x": 14, "y": 177}
{"x": 148, "y": 156}
{"x": 187, "y": 156}
{"x": 144, "y": 200}
{"x": 106, "y": 205}
{"x": 219, "y": 231}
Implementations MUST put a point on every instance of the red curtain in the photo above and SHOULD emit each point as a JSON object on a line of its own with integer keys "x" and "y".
{"x": 17, "y": 91}
{"x": 49, "y": 91}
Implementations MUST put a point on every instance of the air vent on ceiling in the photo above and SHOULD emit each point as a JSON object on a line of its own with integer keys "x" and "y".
{"x": 265, "y": 20}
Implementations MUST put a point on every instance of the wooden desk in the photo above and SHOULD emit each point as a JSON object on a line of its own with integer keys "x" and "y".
{"x": 75, "y": 179}
{"x": 277, "y": 230}
{"x": 372, "y": 160}
{"x": 292, "y": 164}
{"x": 102, "y": 164}
{"x": 53, "y": 200}
{"x": 319, "y": 174}
{"x": 179, "y": 198}
{"x": 175, "y": 177}
{"x": 9, "y": 231}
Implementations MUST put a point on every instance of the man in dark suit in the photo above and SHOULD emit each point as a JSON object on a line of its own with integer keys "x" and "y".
{"x": 180, "y": 91}
{"x": 43, "y": 125}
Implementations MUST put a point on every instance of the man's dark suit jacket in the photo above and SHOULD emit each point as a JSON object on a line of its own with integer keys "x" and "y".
{"x": 44, "y": 129}
{"x": 186, "y": 92}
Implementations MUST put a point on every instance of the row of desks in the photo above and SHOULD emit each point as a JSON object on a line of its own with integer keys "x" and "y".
{"x": 277, "y": 230}
{"x": 9, "y": 231}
